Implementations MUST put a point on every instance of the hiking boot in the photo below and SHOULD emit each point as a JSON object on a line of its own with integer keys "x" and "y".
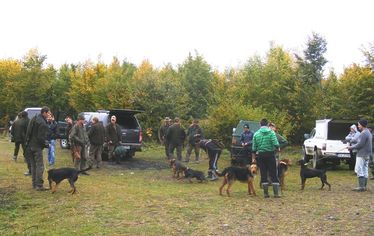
{"x": 27, "y": 173}
{"x": 14, "y": 158}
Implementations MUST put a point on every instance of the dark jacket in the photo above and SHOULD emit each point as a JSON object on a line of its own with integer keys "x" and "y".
{"x": 113, "y": 133}
{"x": 162, "y": 132}
{"x": 246, "y": 139}
{"x": 37, "y": 131}
{"x": 96, "y": 134}
{"x": 176, "y": 134}
{"x": 78, "y": 136}
{"x": 209, "y": 145}
{"x": 19, "y": 129}
{"x": 194, "y": 132}
{"x": 52, "y": 132}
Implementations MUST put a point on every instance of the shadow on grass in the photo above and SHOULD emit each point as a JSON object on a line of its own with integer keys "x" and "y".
{"x": 137, "y": 164}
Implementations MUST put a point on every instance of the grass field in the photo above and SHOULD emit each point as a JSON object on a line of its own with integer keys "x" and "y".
{"x": 140, "y": 197}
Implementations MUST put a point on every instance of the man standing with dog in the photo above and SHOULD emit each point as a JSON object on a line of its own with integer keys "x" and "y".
{"x": 162, "y": 136}
{"x": 175, "y": 137}
{"x": 78, "y": 138}
{"x": 36, "y": 141}
{"x": 194, "y": 132}
{"x": 265, "y": 144}
{"x": 364, "y": 152}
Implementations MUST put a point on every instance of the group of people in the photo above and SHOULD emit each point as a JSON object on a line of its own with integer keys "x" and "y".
{"x": 362, "y": 148}
{"x": 19, "y": 131}
{"x": 40, "y": 133}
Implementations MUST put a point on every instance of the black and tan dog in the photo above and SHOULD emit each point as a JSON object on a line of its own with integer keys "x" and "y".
{"x": 58, "y": 175}
{"x": 282, "y": 170}
{"x": 178, "y": 168}
{"x": 190, "y": 173}
{"x": 243, "y": 174}
{"x": 306, "y": 173}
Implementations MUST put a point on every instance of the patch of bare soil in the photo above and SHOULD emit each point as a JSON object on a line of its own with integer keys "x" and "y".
{"x": 137, "y": 164}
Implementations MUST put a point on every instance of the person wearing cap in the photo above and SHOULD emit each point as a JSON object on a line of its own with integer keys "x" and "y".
{"x": 246, "y": 142}
{"x": 113, "y": 138}
{"x": 162, "y": 135}
{"x": 175, "y": 137}
{"x": 364, "y": 152}
{"x": 36, "y": 141}
{"x": 194, "y": 132}
{"x": 78, "y": 139}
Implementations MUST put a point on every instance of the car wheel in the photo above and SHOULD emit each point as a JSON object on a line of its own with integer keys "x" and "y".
{"x": 64, "y": 144}
{"x": 306, "y": 157}
{"x": 316, "y": 163}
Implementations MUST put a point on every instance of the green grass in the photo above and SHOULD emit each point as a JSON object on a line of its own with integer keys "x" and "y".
{"x": 121, "y": 201}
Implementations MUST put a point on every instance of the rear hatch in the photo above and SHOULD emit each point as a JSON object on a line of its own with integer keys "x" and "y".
{"x": 337, "y": 131}
{"x": 130, "y": 127}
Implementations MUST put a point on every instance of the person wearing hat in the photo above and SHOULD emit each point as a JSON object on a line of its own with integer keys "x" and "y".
{"x": 364, "y": 152}
{"x": 246, "y": 142}
{"x": 113, "y": 137}
{"x": 78, "y": 139}
{"x": 162, "y": 135}
{"x": 194, "y": 132}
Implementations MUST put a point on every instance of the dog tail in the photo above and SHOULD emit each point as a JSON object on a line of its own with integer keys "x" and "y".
{"x": 89, "y": 168}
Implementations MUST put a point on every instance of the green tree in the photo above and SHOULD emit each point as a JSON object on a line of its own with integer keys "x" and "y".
{"x": 197, "y": 79}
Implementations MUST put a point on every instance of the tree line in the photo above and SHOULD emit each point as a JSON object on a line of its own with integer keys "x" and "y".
{"x": 289, "y": 89}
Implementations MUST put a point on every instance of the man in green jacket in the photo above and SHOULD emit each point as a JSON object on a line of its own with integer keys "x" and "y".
{"x": 265, "y": 144}
{"x": 78, "y": 138}
{"x": 175, "y": 136}
{"x": 19, "y": 129}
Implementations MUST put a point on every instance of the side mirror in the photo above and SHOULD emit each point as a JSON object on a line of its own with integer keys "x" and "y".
{"x": 306, "y": 136}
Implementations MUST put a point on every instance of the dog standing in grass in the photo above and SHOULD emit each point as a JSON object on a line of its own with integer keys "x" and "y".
{"x": 243, "y": 174}
{"x": 306, "y": 173}
{"x": 283, "y": 165}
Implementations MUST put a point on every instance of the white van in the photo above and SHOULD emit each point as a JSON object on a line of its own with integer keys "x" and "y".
{"x": 325, "y": 143}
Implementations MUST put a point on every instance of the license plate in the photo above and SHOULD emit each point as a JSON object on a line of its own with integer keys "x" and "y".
{"x": 344, "y": 155}
{"x": 127, "y": 147}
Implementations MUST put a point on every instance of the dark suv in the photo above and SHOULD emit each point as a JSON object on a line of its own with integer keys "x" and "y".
{"x": 237, "y": 154}
{"x": 132, "y": 135}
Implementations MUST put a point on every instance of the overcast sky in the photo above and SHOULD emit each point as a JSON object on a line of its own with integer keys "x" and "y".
{"x": 225, "y": 32}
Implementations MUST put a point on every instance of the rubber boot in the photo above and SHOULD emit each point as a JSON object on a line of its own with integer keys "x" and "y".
{"x": 265, "y": 187}
{"x": 365, "y": 184}
{"x": 276, "y": 190}
{"x": 361, "y": 185}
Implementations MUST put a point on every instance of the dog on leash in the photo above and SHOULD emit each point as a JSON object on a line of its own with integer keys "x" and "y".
{"x": 306, "y": 173}
{"x": 178, "y": 168}
{"x": 283, "y": 165}
{"x": 58, "y": 175}
{"x": 243, "y": 174}
{"x": 190, "y": 173}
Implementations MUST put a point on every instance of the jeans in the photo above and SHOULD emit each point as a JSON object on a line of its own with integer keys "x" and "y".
{"x": 51, "y": 152}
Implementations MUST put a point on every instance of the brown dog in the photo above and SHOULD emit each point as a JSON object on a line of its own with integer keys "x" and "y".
{"x": 178, "y": 168}
{"x": 282, "y": 171}
{"x": 243, "y": 174}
